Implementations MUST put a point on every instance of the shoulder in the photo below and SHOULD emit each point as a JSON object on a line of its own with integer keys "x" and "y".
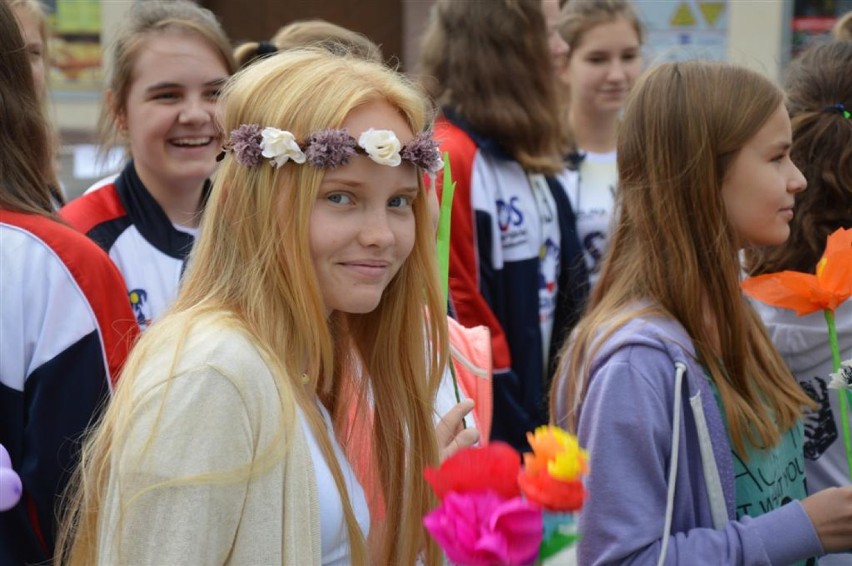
{"x": 98, "y": 205}
{"x": 641, "y": 357}
{"x": 458, "y": 144}
{"x": 644, "y": 335}
{"x": 36, "y": 237}
{"x": 208, "y": 347}
{"x": 59, "y": 288}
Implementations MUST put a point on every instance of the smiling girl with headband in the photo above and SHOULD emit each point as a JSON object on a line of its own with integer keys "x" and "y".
{"x": 317, "y": 256}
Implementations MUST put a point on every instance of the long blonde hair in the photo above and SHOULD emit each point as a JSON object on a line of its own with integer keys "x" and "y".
{"x": 253, "y": 264}
{"x": 673, "y": 245}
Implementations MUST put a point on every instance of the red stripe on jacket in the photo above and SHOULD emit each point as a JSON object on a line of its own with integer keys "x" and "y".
{"x": 471, "y": 308}
{"x": 97, "y": 277}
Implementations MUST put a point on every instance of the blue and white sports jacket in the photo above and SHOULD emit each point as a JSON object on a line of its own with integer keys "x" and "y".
{"x": 122, "y": 217}
{"x": 65, "y": 331}
{"x": 498, "y": 252}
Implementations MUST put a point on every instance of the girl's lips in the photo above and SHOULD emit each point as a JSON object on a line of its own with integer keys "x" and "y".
{"x": 369, "y": 269}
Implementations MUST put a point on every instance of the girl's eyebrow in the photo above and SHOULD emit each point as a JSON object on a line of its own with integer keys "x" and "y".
{"x": 166, "y": 85}
{"x": 409, "y": 190}
{"x": 783, "y": 145}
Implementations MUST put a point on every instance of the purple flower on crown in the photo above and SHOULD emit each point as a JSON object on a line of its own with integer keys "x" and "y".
{"x": 423, "y": 152}
{"x": 327, "y": 149}
{"x": 245, "y": 141}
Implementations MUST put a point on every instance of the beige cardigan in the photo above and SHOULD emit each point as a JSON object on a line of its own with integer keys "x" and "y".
{"x": 221, "y": 411}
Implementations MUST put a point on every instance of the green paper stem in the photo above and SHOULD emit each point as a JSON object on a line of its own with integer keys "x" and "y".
{"x": 556, "y": 544}
{"x": 844, "y": 400}
{"x": 443, "y": 247}
{"x": 443, "y": 244}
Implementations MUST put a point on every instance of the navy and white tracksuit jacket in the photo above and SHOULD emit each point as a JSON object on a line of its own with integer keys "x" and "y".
{"x": 122, "y": 217}
{"x": 65, "y": 332}
{"x": 496, "y": 271}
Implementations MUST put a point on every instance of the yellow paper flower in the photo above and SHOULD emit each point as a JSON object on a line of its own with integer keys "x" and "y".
{"x": 556, "y": 451}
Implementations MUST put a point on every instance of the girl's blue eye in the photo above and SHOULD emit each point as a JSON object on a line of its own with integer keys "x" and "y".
{"x": 339, "y": 198}
{"x": 399, "y": 201}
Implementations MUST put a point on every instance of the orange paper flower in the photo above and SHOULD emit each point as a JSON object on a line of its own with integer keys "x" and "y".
{"x": 551, "y": 493}
{"x": 806, "y": 293}
{"x": 553, "y": 470}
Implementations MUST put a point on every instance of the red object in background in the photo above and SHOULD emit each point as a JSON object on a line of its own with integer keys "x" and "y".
{"x": 814, "y": 24}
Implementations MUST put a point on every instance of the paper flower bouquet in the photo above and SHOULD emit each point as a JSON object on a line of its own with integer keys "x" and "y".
{"x": 494, "y": 512}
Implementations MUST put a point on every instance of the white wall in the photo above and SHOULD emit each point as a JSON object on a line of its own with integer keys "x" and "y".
{"x": 759, "y": 35}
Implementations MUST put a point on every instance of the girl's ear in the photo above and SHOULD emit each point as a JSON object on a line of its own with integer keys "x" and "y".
{"x": 117, "y": 114}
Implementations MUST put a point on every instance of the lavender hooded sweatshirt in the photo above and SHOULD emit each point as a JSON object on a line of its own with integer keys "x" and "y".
{"x": 626, "y": 424}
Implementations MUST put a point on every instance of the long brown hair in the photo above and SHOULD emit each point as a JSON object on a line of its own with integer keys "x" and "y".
{"x": 817, "y": 82}
{"x": 673, "y": 245}
{"x": 491, "y": 63}
{"x": 26, "y": 169}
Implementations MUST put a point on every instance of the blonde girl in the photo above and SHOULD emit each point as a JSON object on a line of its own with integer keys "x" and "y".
{"x": 220, "y": 447}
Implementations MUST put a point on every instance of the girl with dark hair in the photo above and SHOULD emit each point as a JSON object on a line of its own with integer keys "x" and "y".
{"x": 65, "y": 325}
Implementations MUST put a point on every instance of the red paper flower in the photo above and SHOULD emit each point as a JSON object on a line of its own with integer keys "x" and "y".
{"x": 806, "y": 293}
{"x": 494, "y": 467}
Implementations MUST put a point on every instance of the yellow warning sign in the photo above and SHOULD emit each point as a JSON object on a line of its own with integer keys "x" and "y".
{"x": 683, "y": 16}
{"x": 711, "y": 11}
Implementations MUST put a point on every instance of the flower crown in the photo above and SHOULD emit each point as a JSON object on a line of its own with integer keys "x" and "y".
{"x": 327, "y": 149}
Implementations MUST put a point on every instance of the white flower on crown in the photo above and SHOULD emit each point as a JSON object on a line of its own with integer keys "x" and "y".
{"x": 440, "y": 163}
{"x": 382, "y": 146}
{"x": 280, "y": 146}
{"x": 843, "y": 378}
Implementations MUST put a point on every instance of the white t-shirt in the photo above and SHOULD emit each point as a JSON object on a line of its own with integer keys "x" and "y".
{"x": 549, "y": 254}
{"x": 592, "y": 196}
{"x": 335, "y": 540}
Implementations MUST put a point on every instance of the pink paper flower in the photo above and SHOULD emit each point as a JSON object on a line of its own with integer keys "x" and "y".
{"x": 482, "y": 529}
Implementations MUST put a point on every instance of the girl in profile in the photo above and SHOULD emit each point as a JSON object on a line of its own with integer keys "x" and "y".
{"x": 692, "y": 420}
